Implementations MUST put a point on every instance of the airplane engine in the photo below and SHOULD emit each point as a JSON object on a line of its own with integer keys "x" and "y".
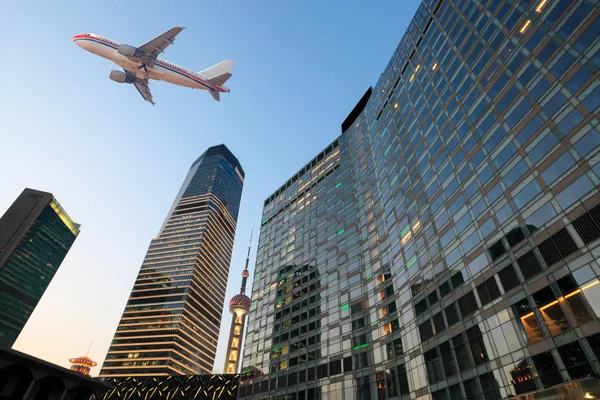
{"x": 130, "y": 51}
{"x": 120, "y": 77}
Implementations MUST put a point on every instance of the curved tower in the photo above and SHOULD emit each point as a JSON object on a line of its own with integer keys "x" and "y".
{"x": 170, "y": 325}
{"x": 238, "y": 307}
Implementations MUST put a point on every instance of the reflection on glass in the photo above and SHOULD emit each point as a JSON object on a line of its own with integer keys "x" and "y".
{"x": 551, "y": 311}
{"x": 522, "y": 378}
{"x": 554, "y": 318}
{"x": 574, "y": 297}
{"x": 462, "y": 353}
{"x": 592, "y": 294}
{"x": 575, "y": 361}
{"x": 477, "y": 345}
{"x": 385, "y": 383}
{"x": 529, "y": 325}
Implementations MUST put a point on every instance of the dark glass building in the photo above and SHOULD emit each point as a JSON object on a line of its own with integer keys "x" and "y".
{"x": 446, "y": 245}
{"x": 35, "y": 236}
{"x": 170, "y": 325}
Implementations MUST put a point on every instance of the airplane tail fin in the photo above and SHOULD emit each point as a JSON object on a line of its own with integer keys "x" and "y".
{"x": 217, "y": 75}
{"x": 218, "y": 69}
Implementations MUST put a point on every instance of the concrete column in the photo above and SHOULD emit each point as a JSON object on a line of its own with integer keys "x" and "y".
{"x": 29, "y": 388}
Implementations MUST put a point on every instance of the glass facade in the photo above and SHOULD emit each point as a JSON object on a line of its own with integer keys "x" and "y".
{"x": 170, "y": 325}
{"x": 445, "y": 246}
{"x": 35, "y": 236}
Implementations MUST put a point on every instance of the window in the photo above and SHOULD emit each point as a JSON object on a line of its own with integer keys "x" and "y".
{"x": 425, "y": 330}
{"x": 508, "y": 278}
{"x": 438, "y": 323}
{"x": 588, "y": 143}
{"x": 497, "y": 250}
{"x": 477, "y": 345}
{"x": 575, "y": 360}
{"x": 522, "y": 377}
{"x": 547, "y": 369}
{"x": 488, "y": 291}
{"x": 467, "y": 304}
{"x": 462, "y": 353}
{"x": 558, "y": 168}
{"x": 551, "y": 311}
{"x": 451, "y": 314}
{"x": 433, "y": 364}
{"x": 574, "y": 191}
{"x": 529, "y": 325}
{"x": 526, "y": 194}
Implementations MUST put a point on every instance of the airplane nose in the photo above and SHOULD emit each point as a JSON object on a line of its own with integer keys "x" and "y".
{"x": 77, "y": 41}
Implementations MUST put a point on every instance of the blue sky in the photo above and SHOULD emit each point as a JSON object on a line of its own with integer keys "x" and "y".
{"x": 115, "y": 163}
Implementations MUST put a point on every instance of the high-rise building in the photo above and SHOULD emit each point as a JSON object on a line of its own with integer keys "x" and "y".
{"x": 446, "y": 245}
{"x": 170, "y": 325}
{"x": 35, "y": 236}
{"x": 238, "y": 307}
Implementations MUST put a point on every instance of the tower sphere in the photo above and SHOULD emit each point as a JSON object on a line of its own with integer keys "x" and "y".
{"x": 239, "y": 304}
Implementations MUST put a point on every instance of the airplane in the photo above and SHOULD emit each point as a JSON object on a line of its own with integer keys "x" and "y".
{"x": 140, "y": 64}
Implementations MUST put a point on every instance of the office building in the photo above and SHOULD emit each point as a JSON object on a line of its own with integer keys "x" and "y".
{"x": 445, "y": 246}
{"x": 35, "y": 236}
{"x": 170, "y": 325}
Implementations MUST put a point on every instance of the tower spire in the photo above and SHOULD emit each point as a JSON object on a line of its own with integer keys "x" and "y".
{"x": 89, "y": 348}
{"x": 245, "y": 272}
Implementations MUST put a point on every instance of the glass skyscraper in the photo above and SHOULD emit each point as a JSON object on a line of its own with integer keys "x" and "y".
{"x": 170, "y": 325}
{"x": 446, "y": 245}
{"x": 35, "y": 236}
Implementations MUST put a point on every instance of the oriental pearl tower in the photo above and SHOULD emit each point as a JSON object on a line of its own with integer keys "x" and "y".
{"x": 238, "y": 307}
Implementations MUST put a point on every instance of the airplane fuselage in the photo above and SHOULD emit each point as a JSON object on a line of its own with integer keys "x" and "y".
{"x": 161, "y": 70}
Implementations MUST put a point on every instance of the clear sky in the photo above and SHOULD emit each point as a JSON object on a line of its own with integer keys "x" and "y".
{"x": 115, "y": 162}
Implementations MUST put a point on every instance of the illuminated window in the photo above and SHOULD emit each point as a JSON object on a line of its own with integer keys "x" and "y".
{"x": 386, "y": 329}
{"x": 383, "y": 312}
{"x": 233, "y": 355}
{"x": 235, "y": 342}
{"x": 525, "y": 26}
{"x": 231, "y": 368}
{"x": 551, "y": 311}
{"x": 529, "y": 324}
{"x": 237, "y": 330}
{"x": 540, "y": 6}
{"x": 238, "y": 319}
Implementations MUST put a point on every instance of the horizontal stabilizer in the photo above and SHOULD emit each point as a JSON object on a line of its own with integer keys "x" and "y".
{"x": 216, "y": 95}
{"x": 219, "y": 80}
{"x": 218, "y": 69}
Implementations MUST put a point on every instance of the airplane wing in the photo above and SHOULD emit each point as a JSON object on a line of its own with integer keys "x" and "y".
{"x": 142, "y": 86}
{"x": 157, "y": 45}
